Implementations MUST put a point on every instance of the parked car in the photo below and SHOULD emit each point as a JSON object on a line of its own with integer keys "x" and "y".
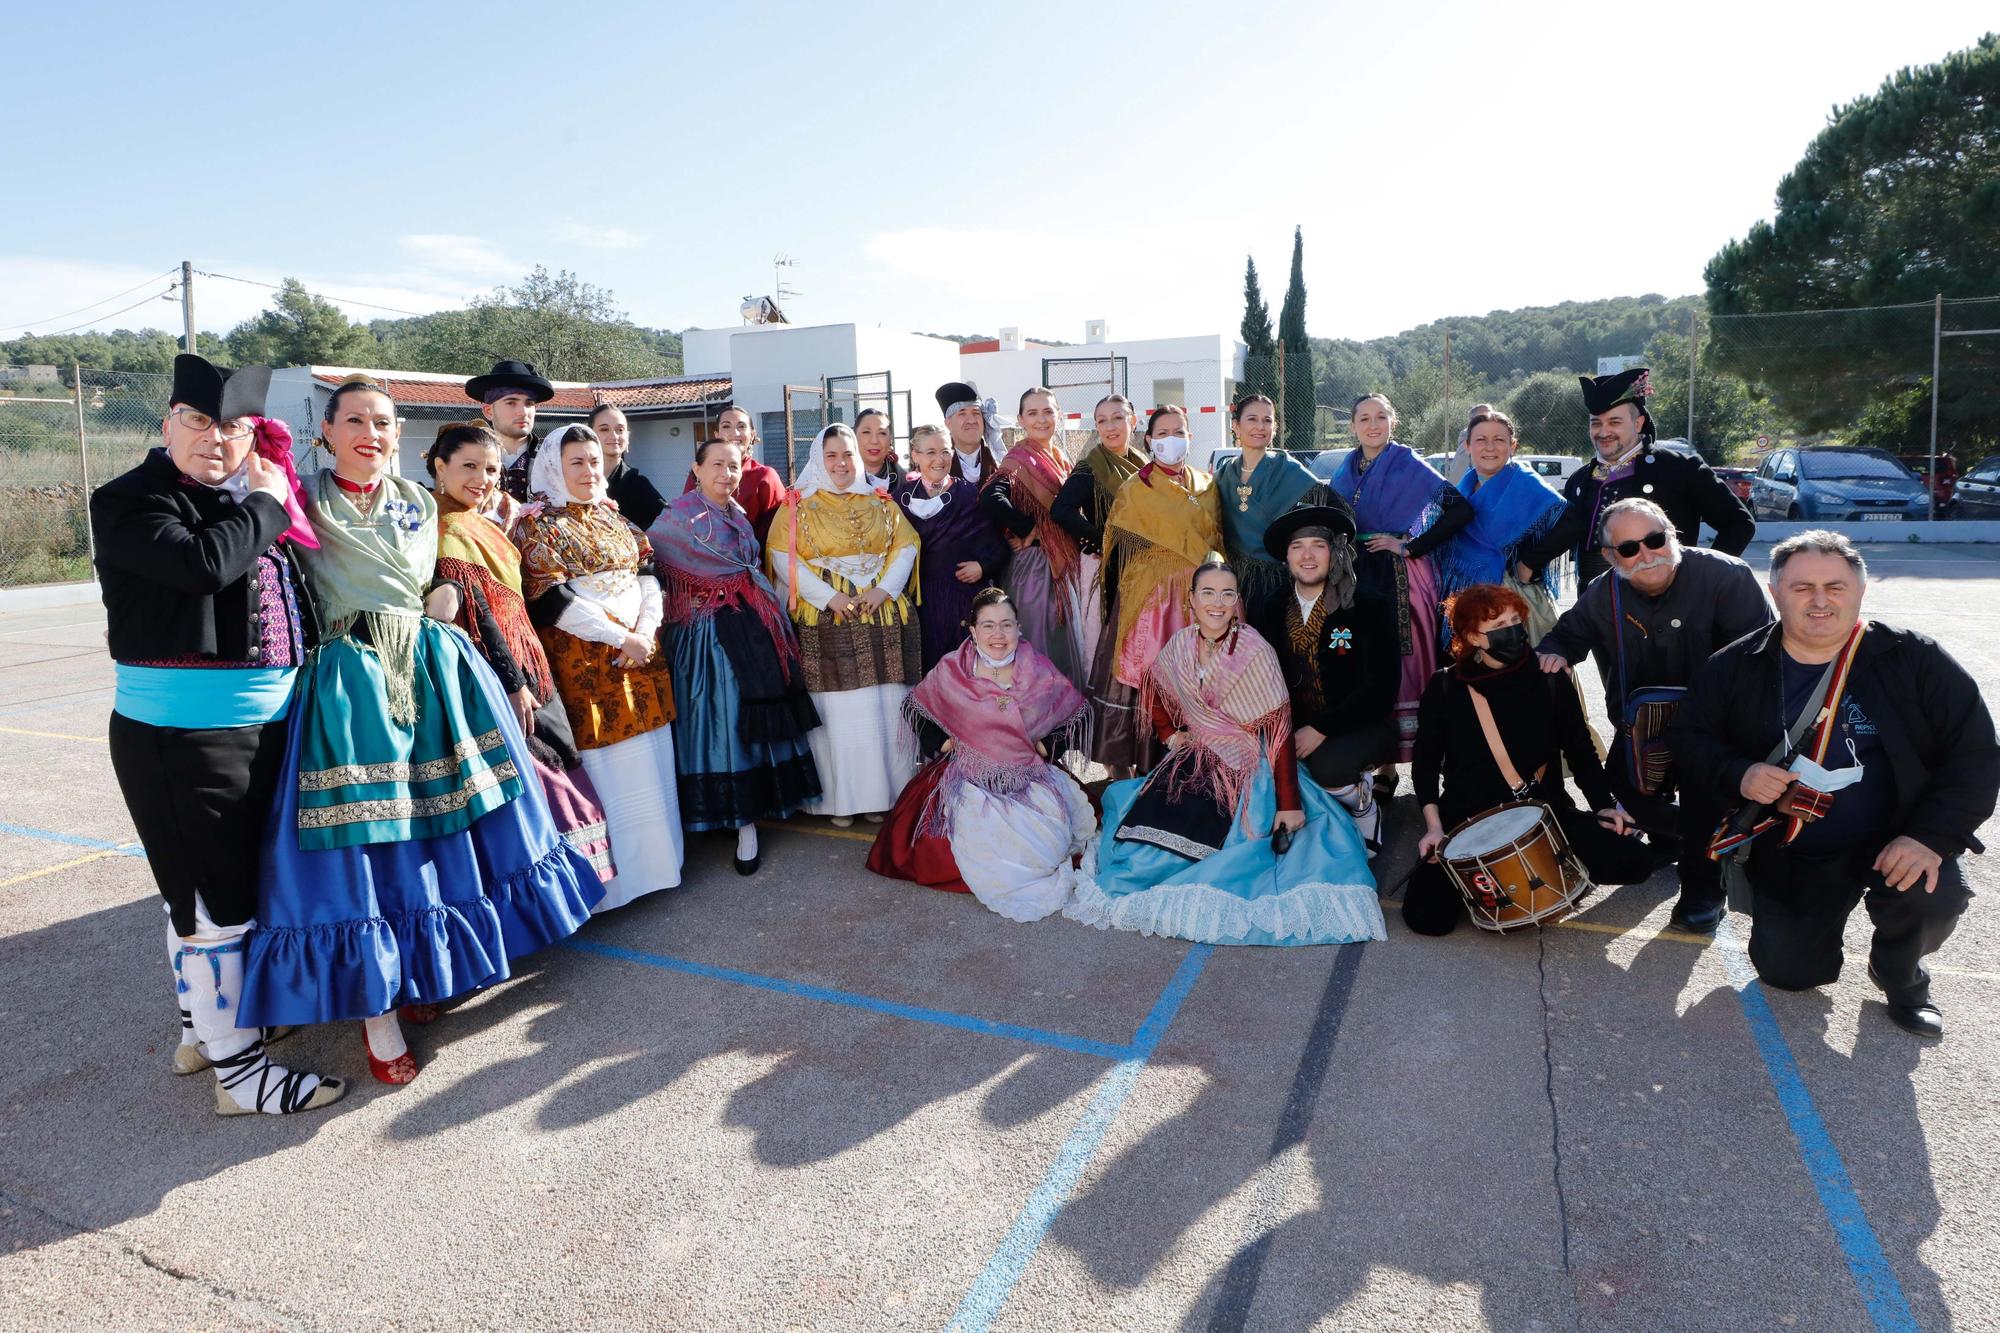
{"x": 1738, "y": 479}
{"x": 1555, "y": 468}
{"x": 1327, "y": 462}
{"x": 1977, "y": 494}
{"x": 1838, "y": 484}
{"x": 1947, "y": 475}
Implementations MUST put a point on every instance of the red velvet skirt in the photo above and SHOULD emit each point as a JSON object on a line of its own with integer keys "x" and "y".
{"x": 899, "y": 853}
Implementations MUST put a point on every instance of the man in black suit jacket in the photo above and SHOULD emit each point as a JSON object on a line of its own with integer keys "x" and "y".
{"x": 209, "y": 623}
{"x": 1337, "y": 644}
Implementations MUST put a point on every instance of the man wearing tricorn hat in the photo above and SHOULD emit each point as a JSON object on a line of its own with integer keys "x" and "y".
{"x": 1336, "y": 642}
{"x": 208, "y": 621}
{"x": 1627, "y": 466}
{"x": 507, "y": 395}
{"x": 975, "y": 432}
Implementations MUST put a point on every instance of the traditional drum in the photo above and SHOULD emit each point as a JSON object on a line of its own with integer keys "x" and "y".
{"x": 1514, "y": 867}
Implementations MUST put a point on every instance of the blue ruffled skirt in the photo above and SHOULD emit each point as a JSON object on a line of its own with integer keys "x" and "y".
{"x": 354, "y": 931}
{"x": 1320, "y": 891}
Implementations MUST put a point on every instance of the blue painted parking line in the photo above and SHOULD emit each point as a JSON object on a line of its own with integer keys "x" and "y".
{"x": 1873, "y": 1276}
{"x": 1061, "y": 1041}
{"x": 1010, "y": 1260}
{"x": 75, "y": 840}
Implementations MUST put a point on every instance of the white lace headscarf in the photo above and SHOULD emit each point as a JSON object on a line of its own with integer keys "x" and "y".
{"x": 545, "y": 477}
{"x": 813, "y": 477}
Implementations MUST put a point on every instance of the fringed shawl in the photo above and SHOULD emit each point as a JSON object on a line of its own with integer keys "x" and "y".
{"x": 1037, "y": 473}
{"x": 831, "y": 525}
{"x": 1235, "y": 715}
{"x": 994, "y": 730}
{"x": 1399, "y": 494}
{"x": 1278, "y": 484}
{"x": 474, "y": 553}
{"x": 1109, "y": 471}
{"x": 565, "y": 541}
{"x": 1512, "y": 509}
{"x": 707, "y": 559}
{"x": 375, "y": 568}
{"x": 1159, "y": 529}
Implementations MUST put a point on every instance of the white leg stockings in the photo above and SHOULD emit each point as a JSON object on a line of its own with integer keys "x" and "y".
{"x": 246, "y": 1082}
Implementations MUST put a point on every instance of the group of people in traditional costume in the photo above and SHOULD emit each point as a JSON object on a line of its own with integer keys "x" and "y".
{"x": 379, "y": 739}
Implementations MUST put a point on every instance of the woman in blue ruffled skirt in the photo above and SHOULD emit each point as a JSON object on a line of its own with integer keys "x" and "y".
{"x": 409, "y": 855}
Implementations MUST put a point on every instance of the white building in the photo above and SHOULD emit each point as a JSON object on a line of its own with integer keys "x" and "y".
{"x": 838, "y": 369}
{"x": 668, "y": 416}
{"x": 1199, "y": 373}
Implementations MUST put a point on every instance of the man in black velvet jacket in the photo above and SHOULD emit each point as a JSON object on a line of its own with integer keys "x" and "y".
{"x": 209, "y": 623}
{"x": 1908, "y": 771}
{"x": 1337, "y": 644}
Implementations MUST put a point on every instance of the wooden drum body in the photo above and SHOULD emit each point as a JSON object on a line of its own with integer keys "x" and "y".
{"x": 1513, "y": 867}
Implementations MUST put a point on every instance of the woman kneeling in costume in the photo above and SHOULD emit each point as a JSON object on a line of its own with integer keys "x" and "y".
{"x": 1221, "y": 842}
{"x": 996, "y": 709}
{"x": 1538, "y": 719}
{"x": 410, "y": 853}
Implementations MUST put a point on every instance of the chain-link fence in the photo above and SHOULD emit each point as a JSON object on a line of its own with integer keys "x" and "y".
{"x": 61, "y": 434}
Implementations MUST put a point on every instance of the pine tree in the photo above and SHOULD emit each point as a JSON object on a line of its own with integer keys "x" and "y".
{"x": 1260, "y": 372}
{"x": 1300, "y": 426}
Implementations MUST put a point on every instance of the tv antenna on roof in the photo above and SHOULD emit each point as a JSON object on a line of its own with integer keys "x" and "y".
{"x": 779, "y": 289}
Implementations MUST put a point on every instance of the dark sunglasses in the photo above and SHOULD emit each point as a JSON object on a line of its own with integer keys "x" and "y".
{"x": 1652, "y": 541}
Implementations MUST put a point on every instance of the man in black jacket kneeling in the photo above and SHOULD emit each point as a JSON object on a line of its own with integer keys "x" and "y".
{"x": 1862, "y": 762}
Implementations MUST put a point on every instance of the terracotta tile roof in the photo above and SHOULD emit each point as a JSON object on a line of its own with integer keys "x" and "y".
{"x": 579, "y": 398}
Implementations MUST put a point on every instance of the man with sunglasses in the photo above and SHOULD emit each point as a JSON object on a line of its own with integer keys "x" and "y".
{"x": 208, "y": 621}
{"x": 1628, "y": 466}
{"x": 1659, "y": 615}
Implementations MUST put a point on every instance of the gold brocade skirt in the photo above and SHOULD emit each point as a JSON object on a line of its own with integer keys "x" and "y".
{"x": 607, "y": 703}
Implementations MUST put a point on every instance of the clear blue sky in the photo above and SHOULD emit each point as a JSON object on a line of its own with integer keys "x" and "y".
{"x": 948, "y": 169}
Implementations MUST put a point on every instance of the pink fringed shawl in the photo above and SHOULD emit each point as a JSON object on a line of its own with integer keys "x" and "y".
{"x": 994, "y": 730}
{"x": 1235, "y": 714}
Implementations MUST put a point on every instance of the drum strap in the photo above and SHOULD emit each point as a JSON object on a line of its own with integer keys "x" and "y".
{"x": 1501, "y": 760}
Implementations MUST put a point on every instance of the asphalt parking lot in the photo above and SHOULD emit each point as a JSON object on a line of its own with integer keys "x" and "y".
{"x": 815, "y": 1099}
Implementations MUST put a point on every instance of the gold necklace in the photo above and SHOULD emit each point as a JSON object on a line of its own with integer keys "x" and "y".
{"x": 1243, "y": 487}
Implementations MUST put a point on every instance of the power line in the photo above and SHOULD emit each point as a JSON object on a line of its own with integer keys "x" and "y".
{"x": 339, "y": 300}
{"x": 50, "y": 319}
{"x": 99, "y": 319}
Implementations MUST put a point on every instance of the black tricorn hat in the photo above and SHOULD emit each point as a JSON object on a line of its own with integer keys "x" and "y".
{"x": 1601, "y": 393}
{"x": 1338, "y": 520}
{"x": 952, "y": 394}
{"x": 221, "y": 394}
{"x": 510, "y": 375}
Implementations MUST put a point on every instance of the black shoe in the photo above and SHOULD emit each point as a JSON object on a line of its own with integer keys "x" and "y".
{"x": 749, "y": 867}
{"x": 1697, "y": 920}
{"x": 1922, "y": 1019}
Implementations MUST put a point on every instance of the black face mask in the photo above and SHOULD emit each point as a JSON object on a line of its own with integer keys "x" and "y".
{"x": 1507, "y": 644}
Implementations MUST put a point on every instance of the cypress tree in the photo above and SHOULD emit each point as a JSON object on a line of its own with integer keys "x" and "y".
{"x": 1299, "y": 388}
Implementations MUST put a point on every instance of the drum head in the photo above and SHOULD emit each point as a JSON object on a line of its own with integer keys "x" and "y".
{"x": 1492, "y": 832}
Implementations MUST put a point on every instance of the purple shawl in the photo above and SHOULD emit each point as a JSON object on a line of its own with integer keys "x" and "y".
{"x": 707, "y": 558}
{"x": 1397, "y": 495}
{"x": 994, "y": 731}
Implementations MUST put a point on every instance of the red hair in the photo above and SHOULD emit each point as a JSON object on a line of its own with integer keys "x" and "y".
{"x": 1469, "y": 608}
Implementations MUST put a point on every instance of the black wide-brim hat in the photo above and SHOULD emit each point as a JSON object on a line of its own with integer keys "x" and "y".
{"x": 952, "y": 394}
{"x": 1278, "y": 537}
{"x": 221, "y": 394}
{"x": 510, "y": 375}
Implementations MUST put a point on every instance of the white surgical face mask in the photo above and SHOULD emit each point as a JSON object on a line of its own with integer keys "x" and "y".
{"x": 1170, "y": 449}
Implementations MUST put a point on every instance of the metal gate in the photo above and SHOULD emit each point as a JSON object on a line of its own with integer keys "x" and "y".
{"x": 1097, "y": 377}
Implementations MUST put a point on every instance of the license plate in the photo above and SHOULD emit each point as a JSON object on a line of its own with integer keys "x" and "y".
{"x": 1881, "y": 518}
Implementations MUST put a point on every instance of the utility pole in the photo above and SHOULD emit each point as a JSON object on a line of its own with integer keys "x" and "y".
{"x": 1937, "y": 358}
{"x": 187, "y": 304}
{"x": 1694, "y": 338}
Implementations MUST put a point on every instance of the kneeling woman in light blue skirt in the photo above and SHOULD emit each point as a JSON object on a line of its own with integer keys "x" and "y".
{"x": 1221, "y": 842}
{"x": 409, "y": 854}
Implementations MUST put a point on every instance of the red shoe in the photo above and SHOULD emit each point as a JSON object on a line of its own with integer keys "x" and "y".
{"x": 420, "y": 1015}
{"x": 402, "y": 1069}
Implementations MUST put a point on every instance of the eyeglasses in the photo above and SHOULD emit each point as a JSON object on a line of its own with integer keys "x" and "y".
{"x": 992, "y": 625}
{"x": 1652, "y": 541}
{"x": 199, "y": 422}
